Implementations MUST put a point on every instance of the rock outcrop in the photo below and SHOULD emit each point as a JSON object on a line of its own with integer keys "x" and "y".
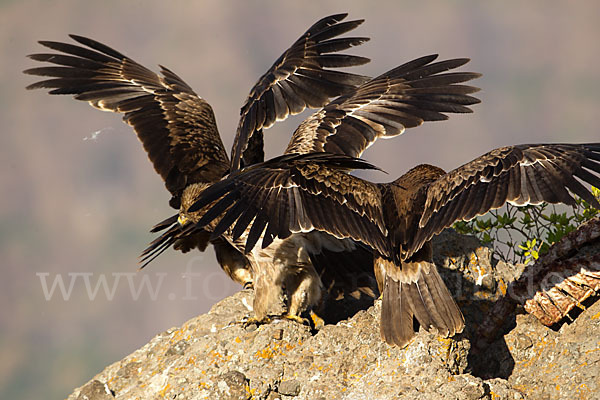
{"x": 213, "y": 356}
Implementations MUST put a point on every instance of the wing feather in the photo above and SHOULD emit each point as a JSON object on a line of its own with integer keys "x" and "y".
{"x": 176, "y": 127}
{"x": 523, "y": 174}
{"x": 293, "y": 194}
{"x": 404, "y": 97}
{"x": 298, "y": 79}
{"x": 243, "y": 221}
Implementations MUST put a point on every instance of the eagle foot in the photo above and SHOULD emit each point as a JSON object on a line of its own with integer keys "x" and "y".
{"x": 313, "y": 320}
{"x": 317, "y": 322}
{"x": 246, "y": 322}
{"x": 298, "y": 319}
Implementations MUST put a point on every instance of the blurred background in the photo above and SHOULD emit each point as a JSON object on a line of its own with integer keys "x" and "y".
{"x": 79, "y": 195}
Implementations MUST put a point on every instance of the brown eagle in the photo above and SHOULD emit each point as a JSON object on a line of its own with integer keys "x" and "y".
{"x": 292, "y": 276}
{"x": 177, "y": 128}
{"x": 295, "y": 200}
{"x": 286, "y": 278}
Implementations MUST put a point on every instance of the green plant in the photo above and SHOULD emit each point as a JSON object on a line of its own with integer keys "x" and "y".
{"x": 522, "y": 234}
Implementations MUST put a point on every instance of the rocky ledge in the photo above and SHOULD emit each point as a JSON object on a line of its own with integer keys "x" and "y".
{"x": 213, "y": 356}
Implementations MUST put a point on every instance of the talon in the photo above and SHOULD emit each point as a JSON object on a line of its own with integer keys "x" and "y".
{"x": 296, "y": 318}
{"x": 317, "y": 321}
{"x": 253, "y": 320}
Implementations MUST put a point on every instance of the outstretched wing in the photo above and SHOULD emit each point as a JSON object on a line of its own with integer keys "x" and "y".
{"x": 523, "y": 174}
{"x": 420, "y": 90}
{"x": 176, "y": 127}
{"x": 182, "y": 238}
{"x": 292, "y": 194}
{"x": 298, "y": 79}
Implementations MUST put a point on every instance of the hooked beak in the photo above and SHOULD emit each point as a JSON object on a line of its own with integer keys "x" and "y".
{"x": 182, "y": 220}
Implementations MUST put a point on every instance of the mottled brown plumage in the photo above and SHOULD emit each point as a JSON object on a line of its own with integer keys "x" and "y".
{"x": 300, "y": 78}
{"x": 300, "y": 195}
{"x": 408, "y": 280}
{"x": 294, "y": 273}
{"x": 404, "y": 97}
{"x": 177, "y": 128}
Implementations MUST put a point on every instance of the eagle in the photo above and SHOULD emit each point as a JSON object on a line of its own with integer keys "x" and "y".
{"x": 292, "y": 276}
{"x": 291, "y": 199}
{"x": 286, "y": 277}
{"x": 178, "y": 131}
{"x": 177, "y": 127}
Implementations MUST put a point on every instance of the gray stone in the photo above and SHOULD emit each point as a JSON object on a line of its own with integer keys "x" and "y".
{"x": 233, "y": 385}
{"x": 178, "y": 349}
{"x": 95, "y": 390}
{"x": 289, "y": 388}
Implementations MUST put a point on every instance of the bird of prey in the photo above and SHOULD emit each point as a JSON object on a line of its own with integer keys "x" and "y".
{"x": 177, "y": 128}
{"x": 286, "y": 278}
{"x": 178, "y": 131}
{"x": 297, "y": 197}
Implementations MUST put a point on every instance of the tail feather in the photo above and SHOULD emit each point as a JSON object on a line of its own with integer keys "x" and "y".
{"x": 421, "y": 294}
{"x": 424, "y": 302}
{"x": 445, "y": 304}
{"x": 396, "y": 325}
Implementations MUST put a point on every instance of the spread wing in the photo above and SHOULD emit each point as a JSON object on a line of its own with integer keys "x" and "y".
{"x": 176, "y": 127}
{"x": 298, "y": 79}
{"x": 183, "y": 238}
{"x": 293, "y": 194}
{"x": 420, "y": 90}
{"x": 521, "y": 175}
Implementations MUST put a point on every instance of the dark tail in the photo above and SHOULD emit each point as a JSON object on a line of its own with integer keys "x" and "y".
{"x": 416, "y": 290}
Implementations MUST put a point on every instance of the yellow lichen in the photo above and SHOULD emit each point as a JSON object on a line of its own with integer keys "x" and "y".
{"x": 274, "y": 350}
{"x": 163, "y": 392}
{"x": 191, "y": 360}
{"x": 583, "y": 390}
{"x": 502, "y": 287}
{"x": 176, "y": 336}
